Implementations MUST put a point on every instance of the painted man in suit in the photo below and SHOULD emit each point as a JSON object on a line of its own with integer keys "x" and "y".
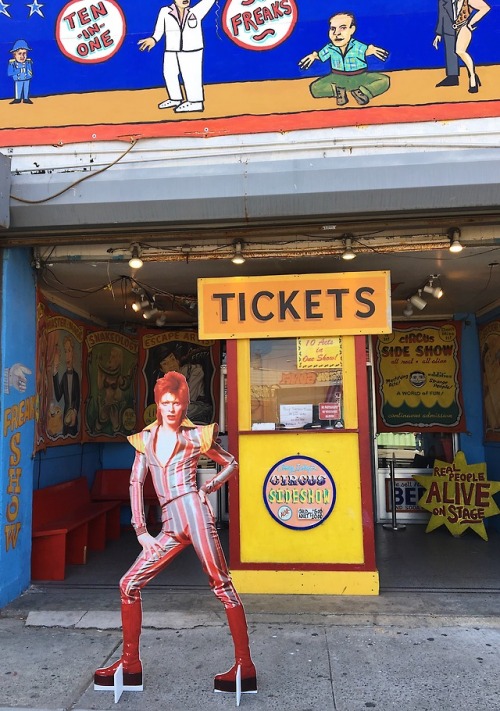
{"x": 446, "y": 32}
{"x": 68, "y": 388}
{"x": 181, "y": 25}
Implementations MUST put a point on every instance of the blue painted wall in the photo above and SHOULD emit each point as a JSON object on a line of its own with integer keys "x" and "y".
{"x": 59, "y": 464}
{"x": 471, "y": 442}
{"x": 18, "y": 424}
{"x": 406, "y": 30}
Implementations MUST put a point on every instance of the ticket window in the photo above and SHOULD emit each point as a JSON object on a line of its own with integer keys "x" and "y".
{"x": 286, "y": 397}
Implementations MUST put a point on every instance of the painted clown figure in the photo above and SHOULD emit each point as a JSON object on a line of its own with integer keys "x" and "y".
{"x": 170, "y": 449}
{"x": 20, "y": 68}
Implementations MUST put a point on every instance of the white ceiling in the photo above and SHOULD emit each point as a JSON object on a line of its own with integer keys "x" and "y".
{"x": 92, "y": 285}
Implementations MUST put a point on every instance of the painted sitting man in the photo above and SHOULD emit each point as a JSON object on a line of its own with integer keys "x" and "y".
{"x": 349, "y": 69}
{"x": 170, "y": 449}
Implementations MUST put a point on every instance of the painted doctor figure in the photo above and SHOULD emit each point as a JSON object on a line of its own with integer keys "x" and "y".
{"x": 170, "y": 448}
{"x": 181, "y": 25}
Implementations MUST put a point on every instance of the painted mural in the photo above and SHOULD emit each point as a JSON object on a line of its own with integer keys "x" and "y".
{"x": 182, "y": 352}
{"x": 489, "y": 341}
{"x": 110, "y": 396}
{"x": 58, "y": 378}
{"x": 101, "y": 69}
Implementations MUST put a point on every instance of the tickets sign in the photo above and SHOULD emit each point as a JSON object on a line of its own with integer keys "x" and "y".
{"x": 299, "y": 492}
{"x": 298, "y": 305}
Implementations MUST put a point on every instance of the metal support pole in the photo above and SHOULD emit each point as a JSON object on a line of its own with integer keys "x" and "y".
{"x": 394, "y": 526}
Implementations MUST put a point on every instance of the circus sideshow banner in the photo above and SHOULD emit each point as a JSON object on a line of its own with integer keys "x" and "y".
{"x": 417, "y": 377}
{"x": 489, "y": 341}
{"x": 110, "y": 393}
{"x": 58, "y": 378}
{"x": 183, "y": 352}
{"x": 102, "y": 69}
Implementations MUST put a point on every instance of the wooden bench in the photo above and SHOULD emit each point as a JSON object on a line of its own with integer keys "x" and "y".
{"x": 66, "y": 523}
{"x": 113, "y": 485}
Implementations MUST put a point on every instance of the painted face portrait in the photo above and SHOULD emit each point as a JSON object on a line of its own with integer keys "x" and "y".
{"x": 417, "y": 379}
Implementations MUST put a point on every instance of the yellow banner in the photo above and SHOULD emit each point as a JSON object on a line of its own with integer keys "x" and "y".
{"x": 418, "y": 378}
{"x": 296, "y": 305}
{"x": 319, "y": 353}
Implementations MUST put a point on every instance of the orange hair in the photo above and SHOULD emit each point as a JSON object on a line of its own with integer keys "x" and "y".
{"x": 175, "y": 383}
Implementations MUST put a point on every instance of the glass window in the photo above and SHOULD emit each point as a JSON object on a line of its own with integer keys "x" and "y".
{"x": 290, "y": 386}
{"x": 414, "y": 449}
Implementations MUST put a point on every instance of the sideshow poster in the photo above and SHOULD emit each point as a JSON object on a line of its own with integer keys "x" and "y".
{"x": 110, "y": 397}
{"x": 87, "y": 70}
{"x": 183, "y": 352}
{"x": 59, "y": 378}
{"x": 489, "y": 341}
{"x": 418, "y": 382}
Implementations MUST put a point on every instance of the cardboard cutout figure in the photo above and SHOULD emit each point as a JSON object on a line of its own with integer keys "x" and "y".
{"x": 170, "y": 449}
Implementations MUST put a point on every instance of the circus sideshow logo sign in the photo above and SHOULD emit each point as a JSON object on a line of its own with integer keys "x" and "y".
{"x": 299, "y": 492}
{"x": 90, "y": 32}
{"x": 259, "y": 24}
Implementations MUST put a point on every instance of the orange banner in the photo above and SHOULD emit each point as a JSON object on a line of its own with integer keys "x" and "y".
{"x": 296, "y": 305}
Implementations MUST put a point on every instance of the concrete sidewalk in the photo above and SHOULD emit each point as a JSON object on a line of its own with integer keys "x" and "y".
{"x": 405, "y": 651}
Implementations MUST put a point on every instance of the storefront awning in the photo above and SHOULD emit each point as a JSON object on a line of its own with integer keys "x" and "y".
{"x": 200, "y": 193}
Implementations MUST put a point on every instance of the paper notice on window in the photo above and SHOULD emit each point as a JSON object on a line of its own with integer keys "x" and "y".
{"x": 296, "y": 416}
{"x": 319, "y": 353}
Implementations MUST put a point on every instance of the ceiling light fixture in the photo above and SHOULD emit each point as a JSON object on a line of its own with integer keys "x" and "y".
{"x": 238, "y": 257}
{"x": 149, "y": 313}
{"x": 135, "y": 261}
{"x": 436, "y": 291}
{"x": 455, "y": 245}
{"x": 348, "y": 251}
{"x": 417, "y": 301}
{"x": 408, "y": 309}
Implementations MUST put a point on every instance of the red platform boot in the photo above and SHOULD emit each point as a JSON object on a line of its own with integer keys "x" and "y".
{"x": 239, "y": 631}
{"x": 132, "y": 667}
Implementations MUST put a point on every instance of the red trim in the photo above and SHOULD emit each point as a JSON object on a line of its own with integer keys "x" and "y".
{"x": 233, "y": 442}
{"x": 365, "y": 459}
{"x": 237, "y": 125}
{"x": 363, "y": 431}
{"x": 259, "y": 433}
{"x": 305, "y": 566}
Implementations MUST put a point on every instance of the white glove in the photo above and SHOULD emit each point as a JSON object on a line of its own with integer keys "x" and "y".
{"x": 15, "y": 377}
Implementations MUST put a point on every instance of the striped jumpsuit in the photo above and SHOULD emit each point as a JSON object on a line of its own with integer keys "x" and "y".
{"x": 187, "y": 516}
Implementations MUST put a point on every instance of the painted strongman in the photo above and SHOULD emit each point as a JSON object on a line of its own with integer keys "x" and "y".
{"x": 170, "y": 449}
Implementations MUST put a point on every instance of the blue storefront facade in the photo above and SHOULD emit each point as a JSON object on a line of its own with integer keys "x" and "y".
{"x": 93, "y": 159}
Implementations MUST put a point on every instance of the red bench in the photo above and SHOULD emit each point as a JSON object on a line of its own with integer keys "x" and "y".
{"x": 113, "y": 485}
{"x": 66, "y": 523}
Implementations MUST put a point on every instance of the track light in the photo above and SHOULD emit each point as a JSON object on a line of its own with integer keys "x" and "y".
{"x": 348, "y": 252}
{"x": 149, "y": 313}
{"x": 135, "y": 261}
{"x": 455, "y": 245}
{"x": 408, "y": 309}
{"x": 417, "y": 301}
{"x": 238, "y": 257}
{"x": 436, "y": 291}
